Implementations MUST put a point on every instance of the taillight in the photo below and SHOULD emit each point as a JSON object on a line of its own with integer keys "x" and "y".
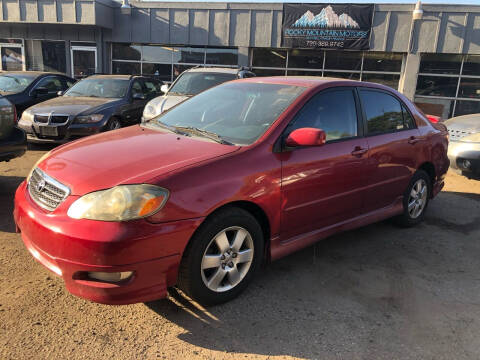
{"x": 433, "y": 119}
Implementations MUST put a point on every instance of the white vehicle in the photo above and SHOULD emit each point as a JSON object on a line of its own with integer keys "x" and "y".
{"x": 189, "y": 83}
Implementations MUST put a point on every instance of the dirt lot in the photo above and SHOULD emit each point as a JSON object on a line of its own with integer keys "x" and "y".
{"x": 375, "y": 293}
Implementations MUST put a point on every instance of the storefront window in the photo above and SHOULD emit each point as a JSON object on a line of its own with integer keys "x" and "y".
{"x": 158, "y": 54}
{"x": 305, "y": 59}
{"x": 343, "y": 60}
{"x": 126, "y": 52}
{"x": 436, "y": 106}
{"x": 471, "y": 65}
{"x": 437, "y": 86}
{"x": 469, "y": 88}
{"x": 440, "y": 64}
{"x": 374, "y": 61}
{"x": 269, "y": 58}
{"x": 385, "y": 79}
{"x": 189, "y": 55}
{"x": 221, "y": 56}
{"x": 342, "y": 75}
{"x": 303, "y": 73}
{"x": 11, "y": 58}
{"x": 44, "y": 55}
{"x": 126, "y": 68}
{"x": 465, "y": 107}
{"x": 161, "y": 71}
{"x": 269, "y": 72}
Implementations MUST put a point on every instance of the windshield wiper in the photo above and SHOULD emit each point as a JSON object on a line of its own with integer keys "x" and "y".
{"x": 205, "y": 133}
{"x": 172, "y": 129}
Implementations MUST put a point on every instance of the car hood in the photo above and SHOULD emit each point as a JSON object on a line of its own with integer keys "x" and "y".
{"x": 164, "y": 103}
{"x": 130, "y": 155}
{"x": 70, "y": 105}
{"x": 469, "y": 123}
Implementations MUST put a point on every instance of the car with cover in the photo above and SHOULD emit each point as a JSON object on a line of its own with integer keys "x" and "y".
{"x": 95, "y": 104}
{"x": 243, "y": 173}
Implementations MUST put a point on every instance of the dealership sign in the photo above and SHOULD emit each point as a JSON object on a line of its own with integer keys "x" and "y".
{"x": 343, "y": 26}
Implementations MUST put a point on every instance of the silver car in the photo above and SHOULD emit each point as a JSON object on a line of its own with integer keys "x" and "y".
{"x": 464, "y": 145}
{"x": 189, "y": 83}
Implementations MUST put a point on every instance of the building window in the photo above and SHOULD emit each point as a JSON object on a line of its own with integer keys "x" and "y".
{"x": 167, "y": 62}
{"x": 46, "y": 55}
{"x": 448, "y": 84}
{"x": 377, "y": 67}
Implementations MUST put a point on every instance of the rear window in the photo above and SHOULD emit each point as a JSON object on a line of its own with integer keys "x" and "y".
{"x": 192, "y": 83}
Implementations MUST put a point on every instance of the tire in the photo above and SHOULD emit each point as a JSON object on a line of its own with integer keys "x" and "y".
{"x": 415, "y": 206}
{"x": 113, "y": 124}
{"x": 213, "y": 271}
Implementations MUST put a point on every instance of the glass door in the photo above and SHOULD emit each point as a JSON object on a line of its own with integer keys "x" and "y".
{"x": 84, "y": 61}
{"x": 12, "y": 57}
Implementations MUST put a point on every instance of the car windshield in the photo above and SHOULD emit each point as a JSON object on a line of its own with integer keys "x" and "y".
{"x": 192, "y": 83}
{"x": 237, "y": 113}
{"x": 15, "y": 83}
{"x": 104, "y": 88}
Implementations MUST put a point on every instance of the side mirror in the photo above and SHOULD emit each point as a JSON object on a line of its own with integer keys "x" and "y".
{"x": 60, "y": 93}
{"x": 40, "y": 91}
{"x": 138, "y": 96}
{"x": 164, "y": 88}
{"x": 306, "y": 137}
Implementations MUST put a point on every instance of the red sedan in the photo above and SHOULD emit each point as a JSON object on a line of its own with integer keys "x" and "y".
{"x": 246, "y": 172}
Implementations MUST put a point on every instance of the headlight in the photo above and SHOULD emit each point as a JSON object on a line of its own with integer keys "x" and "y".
{"x": 88, "y": 119}
{"x": 36, "y": 164}
{"x": 150, "y": 112}
{"x": 120, "y": 203}
{"x": 27, "y": 116}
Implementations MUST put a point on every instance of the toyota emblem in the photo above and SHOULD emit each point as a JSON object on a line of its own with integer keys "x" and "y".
{"x": 41, "y": 185}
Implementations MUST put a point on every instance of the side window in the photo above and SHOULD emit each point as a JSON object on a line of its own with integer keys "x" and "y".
{"x": 334, "y": 112}
{"x": 153, "y": 87}
{"x": 383, "y": 111}
{"x": 408, "y": 119}
{"x": 53, "y": 84}
{"x": 137, "y": 88}
{"x": 69, "y": 83}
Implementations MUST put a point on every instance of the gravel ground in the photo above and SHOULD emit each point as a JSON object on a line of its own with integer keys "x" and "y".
{"x": 378, "y": 292}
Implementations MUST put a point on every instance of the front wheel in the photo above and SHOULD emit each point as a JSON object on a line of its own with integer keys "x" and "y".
{"x": 415, "y": 199}
{"x": 113, "y": 124}
{"x": 222, "y": 257}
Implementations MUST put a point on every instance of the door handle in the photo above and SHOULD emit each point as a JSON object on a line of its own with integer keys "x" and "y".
{"x": 359, "y": 151}
{"x": 413, "y": 140}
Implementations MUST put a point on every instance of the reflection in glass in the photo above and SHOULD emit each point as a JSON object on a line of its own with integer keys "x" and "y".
{"x": 43, "y": 55}
{"x": 178, "y": 69}
{"x": 436, "y": 86}
{"x": 269, "y": 72}
{"x": 160, "y": 71}
{"x": 378, "y": 61}
{"x": 126, "y": 52}
{"x": 343, "y": 60}
{"x": 385, "y": 79}
{"x": 188, "y": 55}
{"x": 222, "y": 56}
{"x": 269, "y": 57}
{"x": 304, "y": 73}
{"x": 471, "y": 65}
{"x": 158, "y": 54}
{"x": 308, "y": 59}
{"x": 469, "y": 88}
{"x": 465, "y": 107}
{"x": 11, "y": 58}
{"x": 438, "y": 107}
{"x": 125, "y": 68}
{"x": 342, "y": 75}
{"x": 83, "y": 63}
{"x": 440, "y": 64}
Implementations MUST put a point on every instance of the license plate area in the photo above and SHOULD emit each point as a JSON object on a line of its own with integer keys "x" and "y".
{"x": 48, "y": 130}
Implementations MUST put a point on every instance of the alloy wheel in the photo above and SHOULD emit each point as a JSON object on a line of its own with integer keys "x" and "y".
{"x": 227, "y": 259}
{"x": 418, "y": 198}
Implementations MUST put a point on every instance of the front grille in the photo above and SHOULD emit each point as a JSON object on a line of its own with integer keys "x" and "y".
{"x": 47, "y": 192}
{"x": 458, "y": 134}
{"x": 54, "y": 119}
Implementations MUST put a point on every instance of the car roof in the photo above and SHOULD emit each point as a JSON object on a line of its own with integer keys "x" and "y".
{"x": 119, "y": 76}
{"x": 311, "y": 81}
{"x": 33, "y": 73}
{"x": 214, "y": 70}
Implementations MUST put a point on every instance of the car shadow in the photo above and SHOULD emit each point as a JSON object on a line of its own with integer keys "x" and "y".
{"x": 290, "y": 301}
{"x": 8, "y": 186}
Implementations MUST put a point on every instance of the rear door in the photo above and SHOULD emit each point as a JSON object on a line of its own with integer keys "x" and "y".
{"x": 393, "y": 143}
{"x": 324, "y": 185}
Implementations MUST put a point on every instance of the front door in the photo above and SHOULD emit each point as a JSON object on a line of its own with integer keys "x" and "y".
{"x": 84, "y": 61}
{"x": 324, "y": 185}
{"x": 393, "y": 140}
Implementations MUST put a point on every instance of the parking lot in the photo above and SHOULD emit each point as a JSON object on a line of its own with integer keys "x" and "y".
{"x": 379, "y": 292}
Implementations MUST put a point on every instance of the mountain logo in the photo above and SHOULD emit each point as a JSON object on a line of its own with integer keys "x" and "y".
{"x": 327, "y": 18}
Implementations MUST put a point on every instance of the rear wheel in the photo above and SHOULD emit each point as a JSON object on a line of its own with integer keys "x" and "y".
{"x": 222, "y": 257}
{"x": 415, "y": 199}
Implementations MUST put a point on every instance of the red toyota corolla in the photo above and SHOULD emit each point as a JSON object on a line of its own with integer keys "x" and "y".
{"x": 245, "y": 172}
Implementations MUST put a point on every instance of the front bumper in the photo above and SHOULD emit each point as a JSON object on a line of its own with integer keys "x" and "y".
{"x": 66, "y": 132}
{"x": 71, "y": 248}
{"x": 465, "y": 156}
{"x": 14, "y": 146}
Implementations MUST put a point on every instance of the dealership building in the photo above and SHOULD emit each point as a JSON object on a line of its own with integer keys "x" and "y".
{"x": 433, "y": 57}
